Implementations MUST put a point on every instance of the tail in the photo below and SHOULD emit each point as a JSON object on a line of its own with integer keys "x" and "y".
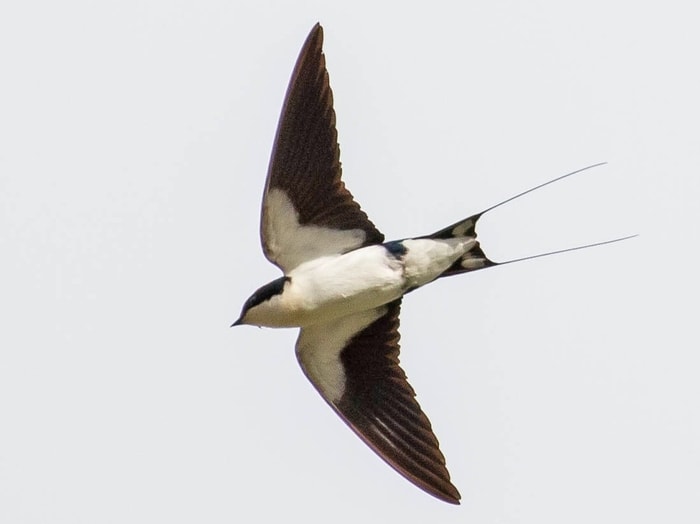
{"x": 473, "y": 259}
{"x": 476, "y": 259}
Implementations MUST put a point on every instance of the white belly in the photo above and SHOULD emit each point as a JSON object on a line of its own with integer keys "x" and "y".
{"x": 336, "y": 286}
{"x": 330, "y": 287}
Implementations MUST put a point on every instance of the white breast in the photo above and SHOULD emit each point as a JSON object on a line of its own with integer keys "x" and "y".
{"x": 335, "y": 286}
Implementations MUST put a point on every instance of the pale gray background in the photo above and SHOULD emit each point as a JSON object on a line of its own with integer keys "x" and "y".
{"x": 134, "y": 141}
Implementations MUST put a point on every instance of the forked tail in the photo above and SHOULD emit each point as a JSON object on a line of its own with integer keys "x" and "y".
{"x": 476, "y": 259}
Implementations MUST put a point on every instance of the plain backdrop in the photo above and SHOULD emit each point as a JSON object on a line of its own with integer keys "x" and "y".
{"x": 134, "y": 142}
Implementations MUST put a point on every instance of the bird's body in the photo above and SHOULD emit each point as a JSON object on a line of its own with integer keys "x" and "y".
{"x": 343, "y": 283}
{"x": 332, "y": 286}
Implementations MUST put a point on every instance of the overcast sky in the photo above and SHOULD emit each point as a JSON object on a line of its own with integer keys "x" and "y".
{"x": 134, "y": 142}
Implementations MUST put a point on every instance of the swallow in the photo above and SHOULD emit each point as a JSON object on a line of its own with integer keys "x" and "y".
{"x": 342, "y": 283}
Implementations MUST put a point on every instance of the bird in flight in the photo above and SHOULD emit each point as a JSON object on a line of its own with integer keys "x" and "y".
{"x": 343, "y": 283}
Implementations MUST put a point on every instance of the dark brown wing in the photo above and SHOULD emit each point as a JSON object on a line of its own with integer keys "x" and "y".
{"x": 354, "y": 363}
{"x": 305, "y": 169}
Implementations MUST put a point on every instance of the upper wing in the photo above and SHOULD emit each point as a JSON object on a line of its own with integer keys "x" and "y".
{"x": 354, "y": 363}
{"x": 307, "y": 212}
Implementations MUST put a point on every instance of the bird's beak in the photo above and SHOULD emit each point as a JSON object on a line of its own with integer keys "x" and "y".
{"x": 238, "y": 322}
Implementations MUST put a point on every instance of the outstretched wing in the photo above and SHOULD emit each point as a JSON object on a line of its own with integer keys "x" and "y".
{"x": 307, "y": 212}
{"x": 354, "y": 363}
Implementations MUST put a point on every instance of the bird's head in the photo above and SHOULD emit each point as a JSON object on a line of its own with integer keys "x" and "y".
{"x": 259, "y": 308}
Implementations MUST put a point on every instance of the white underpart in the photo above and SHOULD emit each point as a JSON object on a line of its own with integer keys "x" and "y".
{"x": 289, "y": 244}
{"x": 427, "y": 258}
{"x": 336, "y": 286}
{"x": 319, "y": 346}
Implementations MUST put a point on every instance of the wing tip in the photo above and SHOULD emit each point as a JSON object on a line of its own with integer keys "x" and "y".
{"x": 315, "y": 35}
{"x": 437, "y": 484}
{"x": 451, "y": 495}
